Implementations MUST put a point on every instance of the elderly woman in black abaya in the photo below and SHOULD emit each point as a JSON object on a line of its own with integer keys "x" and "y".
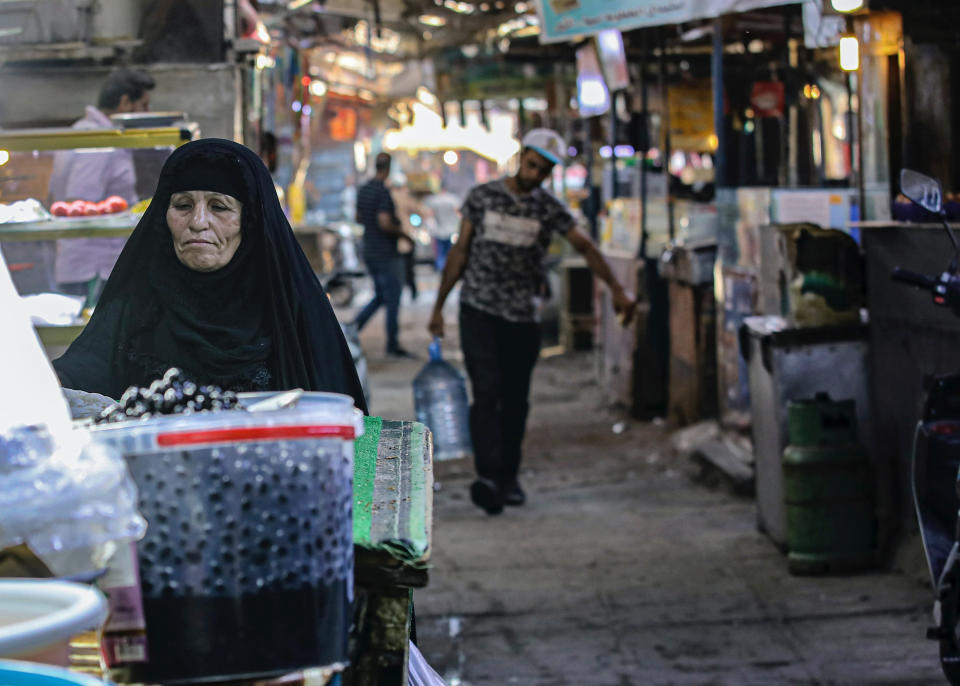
{"x": 212, "y": 281}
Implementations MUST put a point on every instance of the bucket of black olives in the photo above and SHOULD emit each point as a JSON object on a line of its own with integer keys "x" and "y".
{"x": 246, "y": 569}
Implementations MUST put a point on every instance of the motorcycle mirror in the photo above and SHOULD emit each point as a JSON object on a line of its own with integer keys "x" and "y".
{"x": 922, "y": 190}
{"x": 927, "y": 193}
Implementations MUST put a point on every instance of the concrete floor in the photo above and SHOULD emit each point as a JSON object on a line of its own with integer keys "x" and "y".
{"x": 622, "y": 570}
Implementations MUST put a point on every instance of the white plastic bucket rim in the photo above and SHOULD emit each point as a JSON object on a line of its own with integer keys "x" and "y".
{"x": 49, "y": 610}
{"x": 316, "y": 415}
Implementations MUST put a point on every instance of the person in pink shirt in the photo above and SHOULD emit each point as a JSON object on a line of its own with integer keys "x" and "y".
{"x": 95, "y": 175}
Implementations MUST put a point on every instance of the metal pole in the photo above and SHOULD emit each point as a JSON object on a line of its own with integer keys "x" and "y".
{"x": 860, "y": 175}
{"x": 612, "y": 139}
{"x": 592, "y": 196}
{"x": 905, "y": 160}
{"x": 851, "y": 144}
{"x": 792, "y": 138}
{"x": 645, "y": 139}
{"x": 665, "y": 118}
{"x": 716, "y": 72}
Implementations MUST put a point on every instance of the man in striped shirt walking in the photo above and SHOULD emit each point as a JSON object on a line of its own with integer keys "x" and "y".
{"x": 377, "y": 213}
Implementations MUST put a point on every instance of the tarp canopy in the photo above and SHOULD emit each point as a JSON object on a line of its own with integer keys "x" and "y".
{"x": 564, "y": 20}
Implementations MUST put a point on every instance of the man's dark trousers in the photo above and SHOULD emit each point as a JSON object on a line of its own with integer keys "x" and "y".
{"x": 499, "y": 356}
{"x": 387, "y": 274}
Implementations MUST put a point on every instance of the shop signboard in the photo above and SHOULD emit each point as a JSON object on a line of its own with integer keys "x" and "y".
{"x": 691, "y": 117}
{"x": 488, "y": 77}
{"x": 593, "y": 96}
{"x": 767, "y": 98}
{"x": 828, "y": 208}
{"x": 564, "y": 20}
{"x": 613, "y": 58}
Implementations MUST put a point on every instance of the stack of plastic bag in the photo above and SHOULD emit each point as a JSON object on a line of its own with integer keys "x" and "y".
{"x": 68, "y": 499}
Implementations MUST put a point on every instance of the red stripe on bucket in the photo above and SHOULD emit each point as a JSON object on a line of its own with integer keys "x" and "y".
{"x": 254, "y": 433}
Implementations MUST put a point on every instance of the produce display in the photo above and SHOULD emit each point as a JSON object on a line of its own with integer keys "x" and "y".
{"x": 86, "y": 208}
{"x": 22, "y": 211}
{"x": 173, "y": 394}
{"x": 32, "y": 210}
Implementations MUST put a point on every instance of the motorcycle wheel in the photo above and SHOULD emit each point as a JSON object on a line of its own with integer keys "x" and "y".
{"x": 950, "y": 628}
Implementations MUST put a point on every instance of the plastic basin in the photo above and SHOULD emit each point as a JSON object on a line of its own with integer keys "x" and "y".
{"x": 38, "y": 617}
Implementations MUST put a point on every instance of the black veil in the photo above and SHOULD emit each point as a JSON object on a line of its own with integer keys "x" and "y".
{"x": 262, "y": 322}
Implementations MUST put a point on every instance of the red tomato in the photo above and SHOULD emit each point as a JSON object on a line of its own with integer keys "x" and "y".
{"x": 91, "y": 208}
{"x": 77, "y": 208}
{"x": 115, "y": 204}
{"x": 60, "y": 209}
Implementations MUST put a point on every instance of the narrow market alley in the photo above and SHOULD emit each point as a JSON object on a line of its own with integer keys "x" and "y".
{"x": 624, "y": 569}
{"x": 713, "y": 242}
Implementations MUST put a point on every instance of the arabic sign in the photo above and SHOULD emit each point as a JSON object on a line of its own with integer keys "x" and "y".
{"x": 563, "y": 20}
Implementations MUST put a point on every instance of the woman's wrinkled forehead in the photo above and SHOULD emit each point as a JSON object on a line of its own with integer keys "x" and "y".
{"x": 202, "y": 193}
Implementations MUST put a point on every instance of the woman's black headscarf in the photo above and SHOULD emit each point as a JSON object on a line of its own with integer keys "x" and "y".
{"x": 262, "y": 322}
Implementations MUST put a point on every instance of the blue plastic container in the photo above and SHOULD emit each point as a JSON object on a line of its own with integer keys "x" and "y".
{"x": 440, "y": 401}
{"x": 14, "y": 673}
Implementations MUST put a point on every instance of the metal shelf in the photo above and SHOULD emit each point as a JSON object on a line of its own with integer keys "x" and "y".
{"x": 56, "y": 228}
{"x": 77, "y": 50}
{"x": 28, "y": 140}
{"x": 58, "y": 336}
{"x": 895, "y": 223}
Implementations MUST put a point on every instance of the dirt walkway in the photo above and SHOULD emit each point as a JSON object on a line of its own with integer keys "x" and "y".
{"x": 622, "y": 570}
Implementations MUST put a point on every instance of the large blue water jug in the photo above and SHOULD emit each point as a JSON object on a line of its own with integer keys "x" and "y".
{"x": 440, "y": 401}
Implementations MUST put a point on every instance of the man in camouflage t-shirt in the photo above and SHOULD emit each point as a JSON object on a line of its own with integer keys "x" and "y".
{"x": 505, "y": 231}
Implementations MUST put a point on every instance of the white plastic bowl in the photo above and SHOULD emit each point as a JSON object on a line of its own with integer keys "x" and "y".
{"x": 39, "y": 616}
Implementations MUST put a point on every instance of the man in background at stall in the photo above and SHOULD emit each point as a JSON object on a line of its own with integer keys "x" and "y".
{"x": 444, "y": 222}
{"x": 506, "y": 229}
{"x": 95, "y": 175}
{"x": 382, "y": 229}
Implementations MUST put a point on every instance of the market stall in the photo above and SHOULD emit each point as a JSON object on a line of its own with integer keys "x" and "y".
{"x": 386, "y": 548}
{"x": 35, "y": 220}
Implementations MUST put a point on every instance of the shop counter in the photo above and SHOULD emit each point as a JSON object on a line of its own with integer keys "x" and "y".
{"x": 692, "y": 391}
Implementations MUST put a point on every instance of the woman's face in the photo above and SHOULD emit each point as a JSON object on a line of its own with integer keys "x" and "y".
{"x": 205, "y": 227}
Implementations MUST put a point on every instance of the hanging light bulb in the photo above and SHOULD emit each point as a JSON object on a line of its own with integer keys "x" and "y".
{"x": 849, "y": 53}
{"x": 846, "y": 5}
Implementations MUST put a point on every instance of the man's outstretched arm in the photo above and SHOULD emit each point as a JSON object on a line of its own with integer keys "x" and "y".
{"x": 452, "y": 271}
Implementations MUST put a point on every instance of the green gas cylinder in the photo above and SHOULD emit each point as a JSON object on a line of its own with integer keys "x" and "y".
{"x": 828, "y": 488}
